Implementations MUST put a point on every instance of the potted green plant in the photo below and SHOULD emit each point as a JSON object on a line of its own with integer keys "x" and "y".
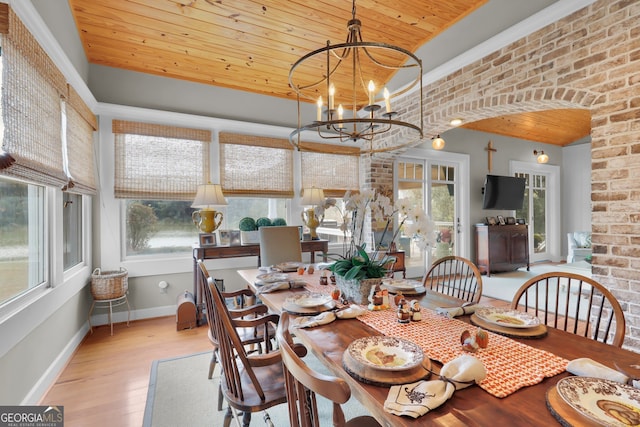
{"x": 361, "y": 266}
{"x": 248, "y": 231}
{"x": 358, "y": 270}
{"x": 358, "y": 273}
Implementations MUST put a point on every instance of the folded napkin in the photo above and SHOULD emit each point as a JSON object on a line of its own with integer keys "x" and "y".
{"x": 416, "y": 399}
{"x": 328, "y": 317}
{"x": 352, "y": 311}
{"x": 278, "y": 286}
{"x": 585, "y": 367}
{"x": 457, "y": 311}
{"x": 311, "y": 321}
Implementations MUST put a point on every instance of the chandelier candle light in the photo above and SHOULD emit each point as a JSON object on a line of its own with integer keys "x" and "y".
{"x": 207, "y": 197}
{"x": 346, "y": 74}
{"x": 312, "y": 197}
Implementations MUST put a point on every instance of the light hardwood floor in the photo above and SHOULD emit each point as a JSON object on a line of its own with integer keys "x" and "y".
{"x": 105, "y": 383}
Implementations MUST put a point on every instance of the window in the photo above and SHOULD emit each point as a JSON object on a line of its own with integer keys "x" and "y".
{"x": 158, "y": 169}
{"x": 335, "y": 174}
{"x": 72, "y": 230}
{"x": 240, "y": 207}
{"x": 159, "y": 226}
{"x": 255, "y": 166}
{"x": 23, "y": 250}
{"x": 46, "y": 132}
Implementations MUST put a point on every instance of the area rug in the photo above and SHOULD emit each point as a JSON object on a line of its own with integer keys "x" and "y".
{"x": 180, "y": 394}
{"x": 503, "y": 286}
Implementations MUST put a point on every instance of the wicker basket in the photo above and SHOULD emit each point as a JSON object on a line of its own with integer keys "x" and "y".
{"x": 109, "y": 284}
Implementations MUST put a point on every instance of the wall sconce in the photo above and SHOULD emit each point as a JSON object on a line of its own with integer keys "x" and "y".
{"x": 207, "y": 219}
{"x": 312, "y": 197}
{"x": 437, "y": 143}
{"x": 542, "y": 158}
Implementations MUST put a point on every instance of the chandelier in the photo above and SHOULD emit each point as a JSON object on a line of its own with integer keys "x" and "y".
{"x": 344, "y": 80}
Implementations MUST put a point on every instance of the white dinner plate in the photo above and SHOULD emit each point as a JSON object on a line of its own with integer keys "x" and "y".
{"x": 507, "y": 317}
{"x": 289, "y": 266}
{"x": 606, "y": 402}
{"x": 272, "y": 277}
{"x": 402, "y": 284}
{"x": 386, "y": 353}
{"x": 308, "y": 300}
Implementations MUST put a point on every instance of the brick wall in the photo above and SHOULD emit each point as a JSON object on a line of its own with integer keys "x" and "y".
{"x": 590, "y": 59}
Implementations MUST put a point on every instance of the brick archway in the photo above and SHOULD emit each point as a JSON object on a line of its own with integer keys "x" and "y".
{"x": 500, "y": 104}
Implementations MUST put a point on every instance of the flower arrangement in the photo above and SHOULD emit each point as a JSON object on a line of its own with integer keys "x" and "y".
{"x": 356, "y": 263}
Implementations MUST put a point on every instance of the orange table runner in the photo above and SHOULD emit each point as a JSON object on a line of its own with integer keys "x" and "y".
{"x": 510, "y": 364}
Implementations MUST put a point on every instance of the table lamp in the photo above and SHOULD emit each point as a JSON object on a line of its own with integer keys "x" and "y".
{"x": 208, "y": 219}
{"x": 311, "y": 197}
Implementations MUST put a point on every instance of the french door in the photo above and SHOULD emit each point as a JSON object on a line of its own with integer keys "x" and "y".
{"x": 541, "y": 209}
{"x": 435, "y": 182}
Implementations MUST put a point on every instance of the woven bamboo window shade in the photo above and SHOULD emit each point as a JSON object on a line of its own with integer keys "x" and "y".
{"x": 157, "y": 162}
{"x": 334, "y": 173}
{"x": 31, "y": 91}
{"x": 255, "y": 166}
{"x": 81, "y": 123}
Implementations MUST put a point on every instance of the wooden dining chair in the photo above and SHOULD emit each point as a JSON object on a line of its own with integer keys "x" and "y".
{"x": 303, "y": 384}
{"x": 279, "y": 244}
{"x": 455, "y": 276}
{"x": 573, "y": 303}
{"x": 249, "y": 382}
{"x": 244, "y": 302}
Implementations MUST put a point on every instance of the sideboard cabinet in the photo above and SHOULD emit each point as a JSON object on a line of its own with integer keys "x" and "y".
{"x": 501, "y": 248}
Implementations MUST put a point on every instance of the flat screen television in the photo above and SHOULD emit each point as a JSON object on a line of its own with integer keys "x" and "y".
{"x": 503, "y": 192}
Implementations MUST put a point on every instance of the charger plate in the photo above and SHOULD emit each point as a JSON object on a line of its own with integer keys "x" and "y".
{"x": 565, "y": 414}
{"x": 600, "y": 401}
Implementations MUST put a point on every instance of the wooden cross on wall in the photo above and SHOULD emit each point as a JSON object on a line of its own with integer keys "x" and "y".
{"x": 490, "y": 151}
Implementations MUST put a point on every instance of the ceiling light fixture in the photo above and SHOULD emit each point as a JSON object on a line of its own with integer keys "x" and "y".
{"x": 437, "y": 143}
{"x": 344, "y": 79}
{"x": 456, "y": 122}
{"x": 542, "y": 158}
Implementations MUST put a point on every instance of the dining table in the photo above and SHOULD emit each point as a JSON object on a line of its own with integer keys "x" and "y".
{"x": 472, "y": 406}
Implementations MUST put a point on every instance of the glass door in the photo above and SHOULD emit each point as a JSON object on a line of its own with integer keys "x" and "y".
{"x": 411, "y": 185}
{"x": 443, "y": 209}
{"x": 541, "y": 209}
{"x": 434, "y": 184}
{"x": 534, "y": 211}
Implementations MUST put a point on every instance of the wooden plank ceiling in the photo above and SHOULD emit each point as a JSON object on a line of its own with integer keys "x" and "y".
{"x": 557, "y": 127}
{"x": 250, "y": 45}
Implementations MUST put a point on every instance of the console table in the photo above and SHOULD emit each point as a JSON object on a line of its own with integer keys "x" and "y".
{"x": 219, "y": 252}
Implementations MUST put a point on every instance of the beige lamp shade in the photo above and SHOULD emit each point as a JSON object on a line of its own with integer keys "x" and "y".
{"x": 208, "y": 196}
{"x": 312, "y": 196}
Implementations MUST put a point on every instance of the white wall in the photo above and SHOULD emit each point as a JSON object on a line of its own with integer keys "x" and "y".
{"x": 576, "y": 189}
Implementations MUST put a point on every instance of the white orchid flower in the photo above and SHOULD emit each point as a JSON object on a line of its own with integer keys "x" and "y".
{"x": 403, "y": 205}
